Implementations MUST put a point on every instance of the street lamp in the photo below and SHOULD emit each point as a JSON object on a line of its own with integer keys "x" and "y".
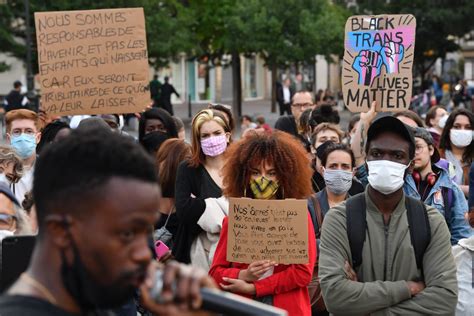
{"x": 29, "y": 71}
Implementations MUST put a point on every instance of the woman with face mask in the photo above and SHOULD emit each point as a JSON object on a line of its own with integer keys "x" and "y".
{"x": 457, "y": 146}
{"x": 199, "y": 179}
{"x": 337, "y": 168}
{"x": 267, "y": 166}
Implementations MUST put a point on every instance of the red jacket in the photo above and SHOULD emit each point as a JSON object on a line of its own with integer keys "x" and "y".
{"x": 288, "y": 284}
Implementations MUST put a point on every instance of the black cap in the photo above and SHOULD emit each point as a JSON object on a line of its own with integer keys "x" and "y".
{"x": 426, "y": 136}
{"x": 5, "y": 189}
{"x": 394, "y": 125}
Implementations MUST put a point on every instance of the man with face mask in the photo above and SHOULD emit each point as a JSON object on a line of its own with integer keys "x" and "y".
{"x": 23, "y": 135}
{"x": 97, "y": 198}
{"x": 387, "y": 278}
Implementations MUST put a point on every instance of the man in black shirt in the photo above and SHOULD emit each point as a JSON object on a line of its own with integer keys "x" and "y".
{"x": 15, "y": 99}
{"x": 167, "y": 90}
{"x": 97, "y": 198}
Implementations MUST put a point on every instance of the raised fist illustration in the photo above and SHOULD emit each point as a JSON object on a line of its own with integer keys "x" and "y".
{"x": 392, "y": 54}
{"x": 368, "y": 64}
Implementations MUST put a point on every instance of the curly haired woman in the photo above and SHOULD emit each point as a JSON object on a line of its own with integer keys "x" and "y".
{"x": 267, "y": 166}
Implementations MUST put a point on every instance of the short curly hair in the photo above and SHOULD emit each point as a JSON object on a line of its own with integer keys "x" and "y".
{"x": 287, "y": 155}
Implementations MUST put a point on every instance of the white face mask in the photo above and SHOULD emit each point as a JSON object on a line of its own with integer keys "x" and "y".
{"x": 338, "y": 181}
{"x": 5, "y": 233}
{"x": 460, "y": 137}
{"x": 386, "y": 176}
{"x": 442, "y": 121}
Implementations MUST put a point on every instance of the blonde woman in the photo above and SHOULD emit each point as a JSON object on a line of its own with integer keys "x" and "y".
{"x": 198, "y": 186}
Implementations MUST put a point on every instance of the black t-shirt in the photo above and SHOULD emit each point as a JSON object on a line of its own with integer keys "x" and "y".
{"x": 18, "y": 305}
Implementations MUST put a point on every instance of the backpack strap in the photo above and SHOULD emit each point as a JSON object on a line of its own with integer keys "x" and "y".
{"x": 448, "y": 196}
{"x": 317, "y": 217}
{"x": 419, "y": 225}
{"x": 356, "y": 226}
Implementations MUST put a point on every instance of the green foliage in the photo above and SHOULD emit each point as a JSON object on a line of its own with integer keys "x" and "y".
{"x": 283, "y": 32}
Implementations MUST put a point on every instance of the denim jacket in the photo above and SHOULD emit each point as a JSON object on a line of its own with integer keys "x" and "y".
{"x": 459, "y": 227}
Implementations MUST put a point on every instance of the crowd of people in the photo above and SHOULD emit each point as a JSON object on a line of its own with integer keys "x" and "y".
{"x": 390, "y": 202}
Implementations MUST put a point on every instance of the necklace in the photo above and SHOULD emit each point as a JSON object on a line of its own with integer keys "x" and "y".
{"x": 40, "y": 287}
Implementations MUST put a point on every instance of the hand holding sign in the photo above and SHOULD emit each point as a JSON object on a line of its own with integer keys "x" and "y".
{"x": 255, "y": 270}
{"x": 368, "y": 64}
{"x": 392, "y": 54}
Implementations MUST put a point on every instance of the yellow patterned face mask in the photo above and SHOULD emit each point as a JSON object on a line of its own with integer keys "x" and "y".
{"x": 263, "y": 188}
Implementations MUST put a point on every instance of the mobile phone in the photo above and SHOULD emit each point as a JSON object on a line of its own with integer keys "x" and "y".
{"x": 160, "y": 248}
{"x": 15, "y": 257}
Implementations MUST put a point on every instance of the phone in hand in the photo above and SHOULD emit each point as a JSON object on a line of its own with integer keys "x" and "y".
{"x": 160, "y": 248}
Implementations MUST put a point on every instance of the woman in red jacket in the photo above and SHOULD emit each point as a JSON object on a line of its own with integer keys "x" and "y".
{"x": 267, "y": 166}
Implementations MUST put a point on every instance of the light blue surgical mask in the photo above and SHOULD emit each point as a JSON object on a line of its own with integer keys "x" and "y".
{"x": 24, "y": 145}
{"x": 3, "y": 178}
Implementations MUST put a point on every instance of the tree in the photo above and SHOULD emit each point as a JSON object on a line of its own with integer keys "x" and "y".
{"x": 294, "y": 31}
{"x": 439, "y": 25}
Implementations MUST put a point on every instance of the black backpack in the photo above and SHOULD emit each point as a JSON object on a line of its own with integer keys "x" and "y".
{"x": 419, "y": 225}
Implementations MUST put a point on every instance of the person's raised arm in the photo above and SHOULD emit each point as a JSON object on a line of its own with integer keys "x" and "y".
{"x": 358, "y": 142}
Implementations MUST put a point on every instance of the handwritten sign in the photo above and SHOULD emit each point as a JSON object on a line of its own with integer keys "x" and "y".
{"x": 378, "y": 62}
{"x": 92, "y": 62}
{"x": 268, "y": 229}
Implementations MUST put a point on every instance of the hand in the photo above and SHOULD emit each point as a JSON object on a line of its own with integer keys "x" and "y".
{"x": 44, "y": 119}
{"x": 187, "y": 282}
{"x": 368, "y": 64}
{"x": 168, "y": 256}
{"x": 415, "y": 287}
{"x": 392, "y": 54}
{"x": 255, "y": 270}
{"x": 369, "y": 116}
{"x": 350, "y": 273}
{"x": 238, "y": 286}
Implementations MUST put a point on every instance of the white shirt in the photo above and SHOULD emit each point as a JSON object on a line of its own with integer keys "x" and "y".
{"x": 24, "y": 185}
{"x": 464, "y": 257}
{"x": 286, "y": 95}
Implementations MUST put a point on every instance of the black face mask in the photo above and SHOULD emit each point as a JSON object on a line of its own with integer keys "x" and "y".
{"x": 88, "y": 293}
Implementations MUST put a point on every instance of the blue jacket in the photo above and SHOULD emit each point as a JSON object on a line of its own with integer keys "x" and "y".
{"x": 459, "y": 227}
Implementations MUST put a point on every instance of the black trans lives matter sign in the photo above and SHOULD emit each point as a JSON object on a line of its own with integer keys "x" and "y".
{"x": 378, "y": 62}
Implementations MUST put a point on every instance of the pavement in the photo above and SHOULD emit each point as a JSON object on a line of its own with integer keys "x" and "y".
{"x": 253, "y": 108}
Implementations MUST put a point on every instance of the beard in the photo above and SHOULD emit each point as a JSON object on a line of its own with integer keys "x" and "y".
{"x": 91, "y": 294}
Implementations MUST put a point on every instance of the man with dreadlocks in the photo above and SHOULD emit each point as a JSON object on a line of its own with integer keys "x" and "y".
{"x": 51, "y": 133}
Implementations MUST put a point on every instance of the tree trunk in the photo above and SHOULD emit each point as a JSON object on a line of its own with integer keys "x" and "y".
{"x": 273, "y": 68}
{"x": 236, "y": 87}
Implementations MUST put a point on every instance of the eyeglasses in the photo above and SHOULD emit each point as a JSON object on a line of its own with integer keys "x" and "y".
{"x": 7, "y": 221}
{"x": 18, "y": 131}
{"x": 301, "y": 105}
{"x": 419, "y": 148}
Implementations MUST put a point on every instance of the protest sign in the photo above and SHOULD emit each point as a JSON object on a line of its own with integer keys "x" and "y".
{"x": 92, "y": 62}
{"x": 268, "y": 230}
{"x": 378, "y": 62}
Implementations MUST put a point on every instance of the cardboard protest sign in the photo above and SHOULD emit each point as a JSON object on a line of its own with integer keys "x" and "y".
{"x": 92, "y": 62}
{"x": 378, "y": 61}
{"x": 268, "y": 229}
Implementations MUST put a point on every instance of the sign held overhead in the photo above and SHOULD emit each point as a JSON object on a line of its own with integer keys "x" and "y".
{"x": 92, "y": 62}
{"x": 378, "y": 62}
